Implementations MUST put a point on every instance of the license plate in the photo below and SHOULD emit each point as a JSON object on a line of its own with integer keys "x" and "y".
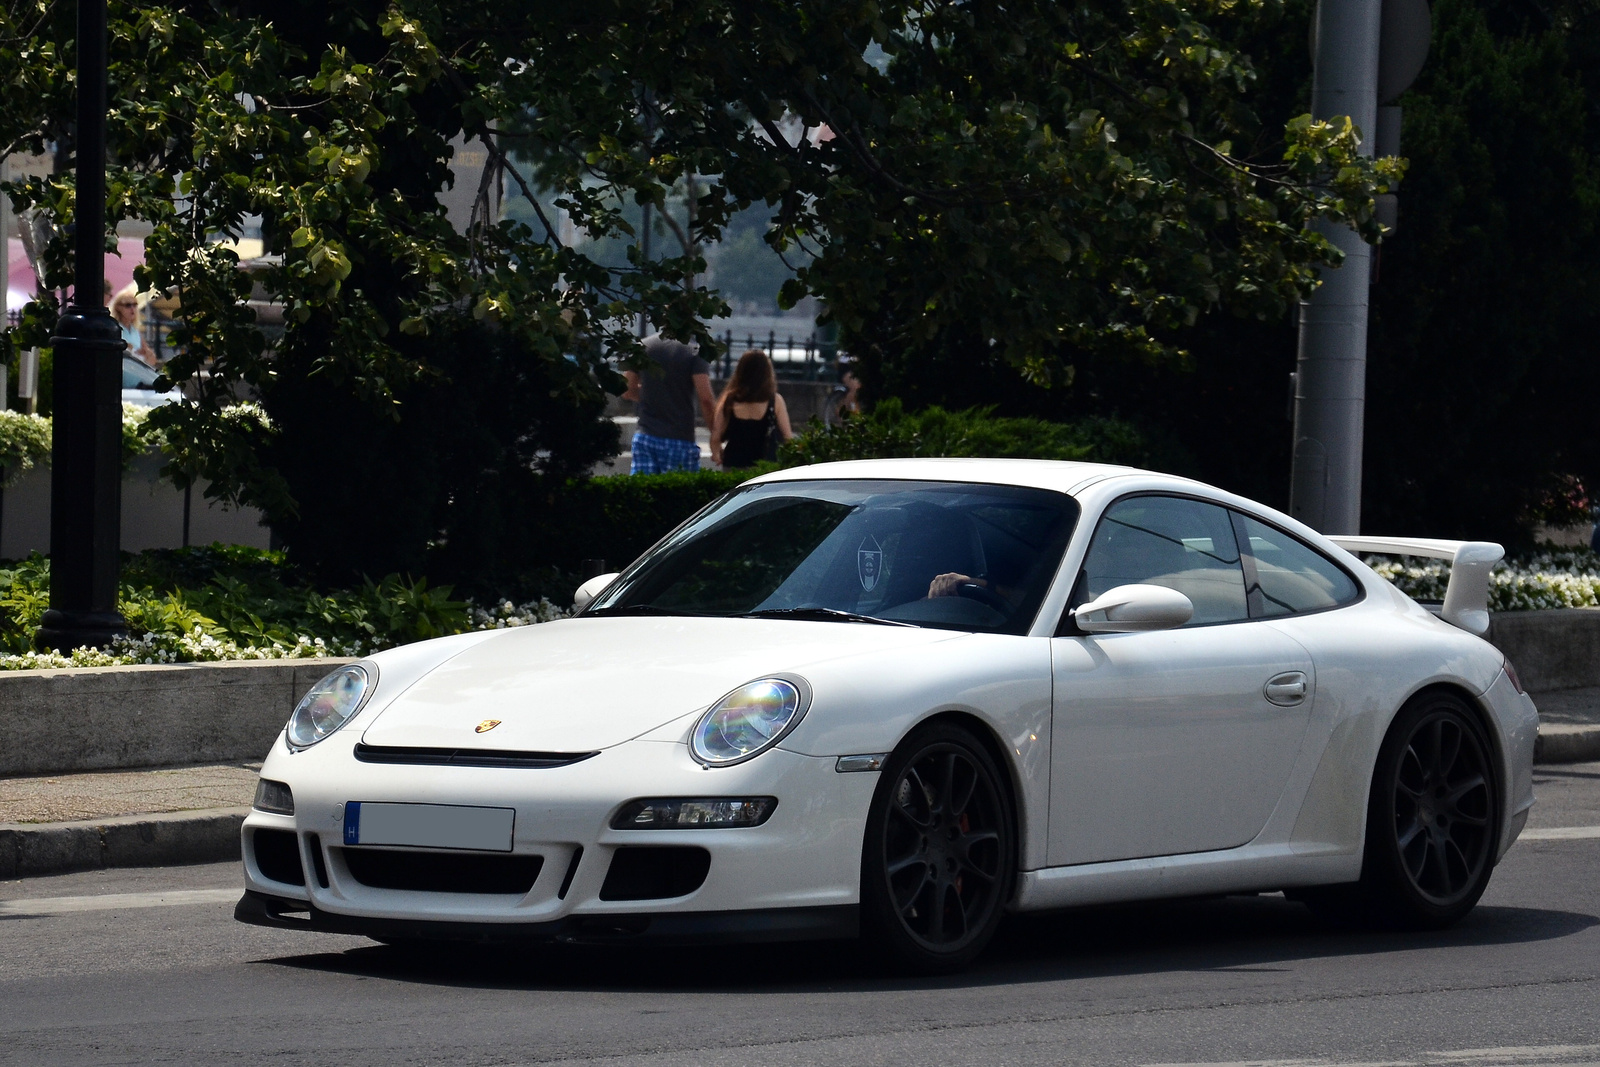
{"x": 428, "y": 826}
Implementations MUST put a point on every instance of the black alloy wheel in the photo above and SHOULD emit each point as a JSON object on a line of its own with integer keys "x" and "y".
{"x": 940, "y": 852}
{"x": 1433, "y": 817}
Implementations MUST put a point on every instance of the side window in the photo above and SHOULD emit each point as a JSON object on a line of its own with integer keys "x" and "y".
{"x": 1182, "y": 544}
{"x": 1290, "y": 576}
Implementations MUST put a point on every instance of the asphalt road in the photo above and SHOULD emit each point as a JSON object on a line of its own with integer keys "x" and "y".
{"x": 148, "y": 966}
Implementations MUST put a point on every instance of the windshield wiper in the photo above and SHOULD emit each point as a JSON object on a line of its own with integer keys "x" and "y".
{"x": 647, "y": 609}
{"x": 820, "y": 615}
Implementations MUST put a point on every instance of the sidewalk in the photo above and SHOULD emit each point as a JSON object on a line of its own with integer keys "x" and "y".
{"x": 1569, "y": 726}
{"x": 192, "y": 814}
{"x": 141, "y": 818}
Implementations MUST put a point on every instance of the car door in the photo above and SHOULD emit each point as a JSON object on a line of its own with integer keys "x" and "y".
{"x": 1179, "y": 740}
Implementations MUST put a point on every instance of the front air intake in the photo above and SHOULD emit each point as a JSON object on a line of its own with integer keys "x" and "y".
{"x": 442, "y": 872}
{"x": 278, "y": 856}
{"x": 466, "y": 757}
{"x": 640, "y": 872}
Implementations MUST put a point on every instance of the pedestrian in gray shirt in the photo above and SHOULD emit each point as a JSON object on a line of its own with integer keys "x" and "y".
{"x": 666, "y": 392}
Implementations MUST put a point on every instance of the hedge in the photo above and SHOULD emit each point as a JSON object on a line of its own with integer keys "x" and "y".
{"x": 616, "y": 517}
{"x": 889, "y": 431}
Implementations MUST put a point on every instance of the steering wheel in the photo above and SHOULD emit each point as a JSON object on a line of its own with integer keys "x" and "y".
{"x": 984, "y": 595}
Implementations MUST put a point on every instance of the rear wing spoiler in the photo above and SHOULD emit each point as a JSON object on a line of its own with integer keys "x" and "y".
{"x": 1466, "y": 598}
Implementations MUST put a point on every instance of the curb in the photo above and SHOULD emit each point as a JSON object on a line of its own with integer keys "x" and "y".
{"x": 1567, "y": 744}
{"x": 209, "y": 835}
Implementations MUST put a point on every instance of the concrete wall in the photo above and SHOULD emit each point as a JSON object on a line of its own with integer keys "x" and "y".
{"x": 97, "y": 718}
{"x": 1554, "y": 649}
{"x": 152, "y": 514}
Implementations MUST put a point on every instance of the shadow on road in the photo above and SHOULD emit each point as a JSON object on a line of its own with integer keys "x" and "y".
{"x": 1233, "y": 933}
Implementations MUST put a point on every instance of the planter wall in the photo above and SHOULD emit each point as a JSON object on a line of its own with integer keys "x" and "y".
{"x": 1554, "y": 649}
{"x": 152, "y": 514}
{"x": 98, "y": 718}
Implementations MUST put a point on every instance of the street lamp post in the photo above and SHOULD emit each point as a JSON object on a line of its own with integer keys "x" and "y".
{"x": 1364, "y": 53}
{"x": 86, "y": 459}
{"x": 1331, "y": 375}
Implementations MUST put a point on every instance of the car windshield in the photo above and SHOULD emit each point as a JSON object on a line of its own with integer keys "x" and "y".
{"x": 137, "y": 374}
{"x": 939, "y": 554}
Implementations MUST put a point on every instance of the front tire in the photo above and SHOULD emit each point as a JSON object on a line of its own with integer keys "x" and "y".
{"x": 940, "y": 852}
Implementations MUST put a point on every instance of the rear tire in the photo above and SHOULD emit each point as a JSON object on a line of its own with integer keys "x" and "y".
{"x": 1433, "y": 822}
{"x": 939, "y": 857}
{"x": 1433, "y": 818}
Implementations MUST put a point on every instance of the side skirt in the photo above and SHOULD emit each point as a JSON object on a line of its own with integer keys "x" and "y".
{"x": 1250, "y": 868}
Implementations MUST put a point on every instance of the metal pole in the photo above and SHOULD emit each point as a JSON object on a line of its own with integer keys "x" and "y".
{"x": 5, "y": 255}
{"x": 644, "y": 252}
{"x": 1331, "y": 373}
{"x": 86, "y": 474}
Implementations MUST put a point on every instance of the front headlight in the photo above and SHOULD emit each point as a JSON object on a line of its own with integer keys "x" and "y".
{"x": 331, "y": 703}
{"x": 749, "y": 720}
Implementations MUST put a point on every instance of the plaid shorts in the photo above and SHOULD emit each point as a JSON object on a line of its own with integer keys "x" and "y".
{"x": 657, "y": 455}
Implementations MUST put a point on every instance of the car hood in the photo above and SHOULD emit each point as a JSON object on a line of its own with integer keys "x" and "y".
{"x": 580, "y": 685}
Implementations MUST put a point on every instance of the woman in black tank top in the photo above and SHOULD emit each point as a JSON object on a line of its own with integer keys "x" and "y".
{"x": 751, "y": 417}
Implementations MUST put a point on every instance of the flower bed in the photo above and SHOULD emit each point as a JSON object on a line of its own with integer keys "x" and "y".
{"x": 234, "y": 603}
{"x": 1559, "y": 578}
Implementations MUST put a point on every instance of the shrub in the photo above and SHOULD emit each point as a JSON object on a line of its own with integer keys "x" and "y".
{"x": 230, "y": 602}
{"x": 24, "y": 441}
{"x": 612, "y": 518}
{"x": 890, "y": 431}
{"x": 445, "y": 481}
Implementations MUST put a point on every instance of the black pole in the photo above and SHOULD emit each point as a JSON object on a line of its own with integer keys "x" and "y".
{"x": 86, "y": 474}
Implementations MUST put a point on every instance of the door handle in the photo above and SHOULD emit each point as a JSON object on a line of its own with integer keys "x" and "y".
{"x": 1286, "y": 689}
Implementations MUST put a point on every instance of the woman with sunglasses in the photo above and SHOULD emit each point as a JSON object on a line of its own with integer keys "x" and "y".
{"x": 125, "y": 309}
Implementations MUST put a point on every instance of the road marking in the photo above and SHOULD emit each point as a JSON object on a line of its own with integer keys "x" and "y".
{"x": 1292, "y": 1063}
{"x": 1518, "y": 1055}
{"x": 40, "y": 907}
{"x": 1560, "y": 833}
{"x": 1522, "y": 1053}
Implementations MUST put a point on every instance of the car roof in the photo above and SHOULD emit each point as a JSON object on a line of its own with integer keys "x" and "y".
{"x": 1063, "y": 476}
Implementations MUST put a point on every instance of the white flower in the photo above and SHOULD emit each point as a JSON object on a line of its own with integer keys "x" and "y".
{"x": 1568, "y": 579}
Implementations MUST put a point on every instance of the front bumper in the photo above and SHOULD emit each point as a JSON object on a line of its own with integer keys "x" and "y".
{"x": 795, "y": 876}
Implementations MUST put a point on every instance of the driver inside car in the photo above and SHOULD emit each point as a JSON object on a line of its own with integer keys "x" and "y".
{"x": 947, "y": 584}
{"x": 950, "y": 583}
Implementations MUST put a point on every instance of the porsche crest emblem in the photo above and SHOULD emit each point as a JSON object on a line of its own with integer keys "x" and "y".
{"x": 869, "y": 563}
{"x": 485, "y": 726}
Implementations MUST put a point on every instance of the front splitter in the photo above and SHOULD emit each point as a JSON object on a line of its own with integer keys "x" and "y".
{"x": 841, "y": 921}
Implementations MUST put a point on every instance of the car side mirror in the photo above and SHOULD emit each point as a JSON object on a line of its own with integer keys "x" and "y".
{"x": 591, "y": 589}
{"x": 1132, "y": 609}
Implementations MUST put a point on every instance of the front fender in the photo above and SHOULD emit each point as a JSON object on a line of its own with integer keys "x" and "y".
{"x": 869, "y": 703}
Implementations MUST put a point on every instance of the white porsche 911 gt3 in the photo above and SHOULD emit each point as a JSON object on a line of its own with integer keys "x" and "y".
{"x": 897, "y": 698}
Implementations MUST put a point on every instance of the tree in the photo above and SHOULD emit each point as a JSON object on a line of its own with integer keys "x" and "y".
{"x": 1482, "y": 361}
{"x": 1046, "y": 182}
{"x": 1483, "y": 365}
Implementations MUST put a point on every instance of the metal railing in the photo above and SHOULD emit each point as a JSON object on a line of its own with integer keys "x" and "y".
{"x": 153, "y": 324}
{"x": 795, "y": 359}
